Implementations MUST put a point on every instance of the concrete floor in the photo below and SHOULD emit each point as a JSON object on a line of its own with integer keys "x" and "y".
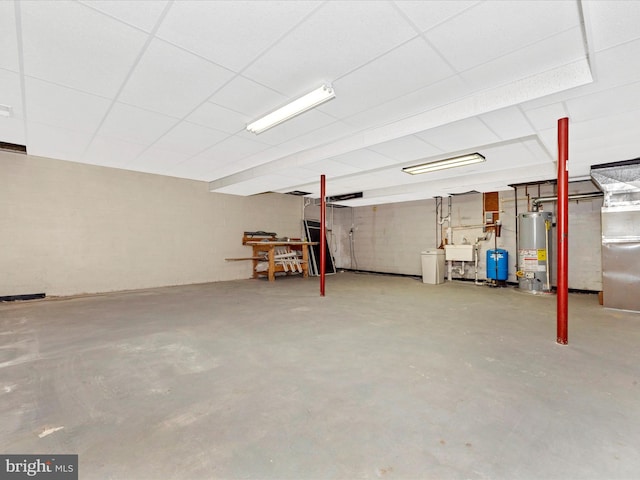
{"x": 385, "y": 377}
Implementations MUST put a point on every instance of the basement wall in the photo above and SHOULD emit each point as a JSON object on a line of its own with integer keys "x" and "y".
{"x": 389, "y": 238}
{"x": 69, "y": 228}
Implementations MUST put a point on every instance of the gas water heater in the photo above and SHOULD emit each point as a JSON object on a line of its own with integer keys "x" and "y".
{"x": 534, "y": 251}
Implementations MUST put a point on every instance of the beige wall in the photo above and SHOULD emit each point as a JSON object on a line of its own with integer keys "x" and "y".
{"x": 68, "y": 228}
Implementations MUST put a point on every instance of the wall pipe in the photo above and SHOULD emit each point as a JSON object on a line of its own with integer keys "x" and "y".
{"x": 575, "y": 196}
{"x": 323, "y": 233}
{"x": 563, "y": 232}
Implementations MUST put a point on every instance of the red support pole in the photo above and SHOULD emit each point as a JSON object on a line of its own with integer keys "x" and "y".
{"x": 323, "y": 252}
{"x": 563, "y": 231}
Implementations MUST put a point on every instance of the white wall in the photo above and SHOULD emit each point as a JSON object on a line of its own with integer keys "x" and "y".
{"x": 389, "y": 238}
{"x": 68, "y": 228}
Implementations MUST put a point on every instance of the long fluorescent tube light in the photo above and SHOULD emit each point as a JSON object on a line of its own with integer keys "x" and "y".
{"x": 301, "y": 105}
{"x": 442, "y": 164}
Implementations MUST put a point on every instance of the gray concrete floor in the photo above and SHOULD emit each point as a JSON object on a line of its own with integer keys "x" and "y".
{"x": 385, "y": 377}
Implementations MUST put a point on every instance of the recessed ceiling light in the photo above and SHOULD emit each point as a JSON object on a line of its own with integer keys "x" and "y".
{"x": 6, "y": 111}
{"x": 446, "y": 163}
{"x": 290, "y": 110}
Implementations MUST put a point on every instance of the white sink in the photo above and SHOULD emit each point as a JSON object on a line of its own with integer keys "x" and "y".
{"x": 459, "y": 253}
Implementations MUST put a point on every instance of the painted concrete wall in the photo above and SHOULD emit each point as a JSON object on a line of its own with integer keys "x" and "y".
{"x": 389, "y": 238}
{"x": 385, "y": 238}
{"x": 68, "y": 228}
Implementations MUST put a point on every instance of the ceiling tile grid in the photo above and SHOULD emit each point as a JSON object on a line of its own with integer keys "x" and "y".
{"x": 338, "y": 38}
{"x": 8, "y": 38}
{"x": 168, "y": 88}
{"x": 164, "y": 68}
{"x": 232, "y": 33}
{"x": 142, "y": 15}
{"x": 492, "y": 29}
{"x": 136, "y": 125}
{"x": 69, "y": 44}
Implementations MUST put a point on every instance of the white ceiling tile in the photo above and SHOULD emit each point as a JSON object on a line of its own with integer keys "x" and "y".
{"x": 231, "y": 33}
{"x": 605, "y": 103}
{"x": 612, "y": 22}
{"x": 336, "y": 39}
{"x": 12, "y": 130}
{"x": 8, "y": 37}
{"x": 614, "y": 66}
{"x": 538, "y": 150}
{"x": 406, "y": 148}
{"x": 142, "y": 14}
{"x": 248, "y": 97}
{"x": 364, "y": 159}
{"x": 462, "y": 135}
{"x": 414, "y": 103}
{"x": 201, "y": 167}
{"x": 331, "y": 168}
{"x": 190, "y": 138}
{"x": 158, "y": 160}
{"x": 427, "y": 15}
{"x": 379, "y": 81}
{"x": 62, "y": 40}
{"x": 552, "y": 52}
{"x": 11, "y": 92}
{"x": 492, "y": 29}
{"x": 231, "y": 150}
{"x": 508, "y": 123}
{"x": 611, "y": 68}
{"x": 328, "y": 133}
{"x": 184, "y": 172}
{"x": 54, "y": 142}
{"x": 64, "y": 107}
{"x": 220, "y": 118}
{"x": 621, "y": 129}
{"x": 135, "y": 125}
{"x": 165, "y": 68}
{"x": 111, "y": 152}
{"x": 588, "y": 145}
{"x": 547, "y": 116}
{"x": 549, "y": 140}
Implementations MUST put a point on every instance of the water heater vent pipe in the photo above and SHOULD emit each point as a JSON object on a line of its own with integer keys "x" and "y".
{"x": 577, "y": 196}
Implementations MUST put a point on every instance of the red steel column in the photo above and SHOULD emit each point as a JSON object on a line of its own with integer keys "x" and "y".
{"x": 323, "y": 253}
{"x": 563, "y": 231}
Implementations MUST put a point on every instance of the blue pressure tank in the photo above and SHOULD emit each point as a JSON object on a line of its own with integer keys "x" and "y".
{"x": 497, "y": 264}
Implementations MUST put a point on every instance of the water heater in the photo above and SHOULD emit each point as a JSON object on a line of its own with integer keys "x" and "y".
{"x": 534, "y": 251}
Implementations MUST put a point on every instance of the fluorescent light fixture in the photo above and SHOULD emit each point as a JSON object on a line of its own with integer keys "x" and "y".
{"x": 446, "y": 163}
{"x": 6, "y": 111}
{"x": 302, "y": 104}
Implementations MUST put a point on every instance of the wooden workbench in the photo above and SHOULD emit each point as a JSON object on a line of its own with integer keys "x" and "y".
{"x": 261, "y": 246}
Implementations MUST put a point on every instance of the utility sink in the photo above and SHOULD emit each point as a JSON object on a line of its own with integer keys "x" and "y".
{"x": 459, "y": 253}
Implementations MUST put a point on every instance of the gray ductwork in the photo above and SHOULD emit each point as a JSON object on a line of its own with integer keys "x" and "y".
{"x": 620, "y": 183}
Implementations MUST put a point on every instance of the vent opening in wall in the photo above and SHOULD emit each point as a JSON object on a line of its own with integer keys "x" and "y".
{"x": 13, "y": 147}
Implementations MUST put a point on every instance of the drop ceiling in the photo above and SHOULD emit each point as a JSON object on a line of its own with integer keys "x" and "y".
{"x": 167, "y": 87}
